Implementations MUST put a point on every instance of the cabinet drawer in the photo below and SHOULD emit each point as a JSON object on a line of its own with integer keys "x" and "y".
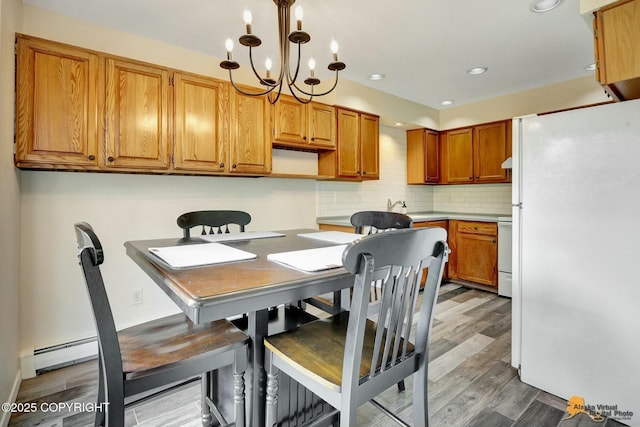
{"x": 478, "y": 227}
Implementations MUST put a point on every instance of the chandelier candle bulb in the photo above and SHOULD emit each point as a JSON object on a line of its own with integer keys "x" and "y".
{"x": 299, "y": 15}
{"x": 246, "y": 15}
{"x": 229, "y": 45}
{"x": 312, "y": 64}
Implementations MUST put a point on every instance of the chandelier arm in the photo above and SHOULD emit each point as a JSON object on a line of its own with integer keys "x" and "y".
{"x": 243, "y": 92}
{"x": 335, "y": 83}
{"x": 292, "y": 81}
{"x": 273, "y": 101}
{"x": 255, "y": 72}
{"x": 297, "y": 97}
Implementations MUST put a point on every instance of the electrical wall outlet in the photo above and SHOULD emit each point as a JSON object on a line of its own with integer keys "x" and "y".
{"x": 136, "y": 297}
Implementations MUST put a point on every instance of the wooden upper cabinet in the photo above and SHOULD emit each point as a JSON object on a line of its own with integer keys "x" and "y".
{"x": 299, "y": 125}
{"x": 491, "y": 147}
{"x": 357, "y": 147}
{"x": 370, "y": 146}
{"x": 56, "y": 105}
{"x": 348, "y": 143}
{"x": 423, "y": 156}
{"x": 321, "y": 121}
{"x": 476, "y": 154}
{"x": 250, "y": 150}
{"x": 616, "y": 40}
{"x": 137, "y": 116}
{"x": 458, "y": 156}
{"x": 201, "y": 123}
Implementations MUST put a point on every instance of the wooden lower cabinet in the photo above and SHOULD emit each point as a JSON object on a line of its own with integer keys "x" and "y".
{"x": 343, "y": 228}
{"x": 443, "y": 223}
{"x": 474, "y": 252}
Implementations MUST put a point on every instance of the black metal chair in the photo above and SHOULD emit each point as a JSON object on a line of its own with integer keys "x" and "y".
{"x": 213, "y": 219}
{"x": 366, "y": 357}
{"x": 158, "y": 353}
{"x": 379, "y": 221}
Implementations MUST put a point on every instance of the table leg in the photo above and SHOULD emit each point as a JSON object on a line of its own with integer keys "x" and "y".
{"x": 255, "y": 376}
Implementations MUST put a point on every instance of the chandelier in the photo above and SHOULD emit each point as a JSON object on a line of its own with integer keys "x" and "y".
{"x": 273, "y": 87}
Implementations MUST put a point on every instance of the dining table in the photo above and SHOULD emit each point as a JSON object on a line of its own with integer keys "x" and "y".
{"x": 249, "y": 290}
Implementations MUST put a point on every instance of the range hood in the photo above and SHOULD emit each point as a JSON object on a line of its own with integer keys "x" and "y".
{"x": 507, "y": 164}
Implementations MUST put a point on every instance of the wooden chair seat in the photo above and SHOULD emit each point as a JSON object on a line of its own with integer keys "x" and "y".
{"x": 173, "y": 340}
{"x": 317, "y": 349}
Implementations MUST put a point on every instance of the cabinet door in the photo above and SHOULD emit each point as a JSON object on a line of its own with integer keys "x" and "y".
{"x": 490, "y": 150}
{"x": 250, "y": 150}
{"x": 423, "y": 156}
{"x": 432, "y": 159}
{"x": 56, "y": 104}
{"x": 443, "y": 223}
{"x": 348, "y": 144}
{"x": 477, "y": 258}
{"x": 201, "y": 123}
{"x": 370, "y": 146}
{"x": 322, "y": 125}
{"x": 290, "y": 121}
{"x": 137, "y": 102}
{"x": 618, "y": 38}
{"x": 458, "y": 158}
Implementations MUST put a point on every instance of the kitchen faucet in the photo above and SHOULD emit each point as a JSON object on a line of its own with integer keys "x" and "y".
{"x": 390, "y": 205}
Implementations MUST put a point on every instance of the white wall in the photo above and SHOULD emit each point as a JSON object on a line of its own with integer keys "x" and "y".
{"x": 10, "y": 11}
{"x": 124, "y": 207}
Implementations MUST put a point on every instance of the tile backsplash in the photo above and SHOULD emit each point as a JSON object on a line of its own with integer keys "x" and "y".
{"x": 345, "y": 198}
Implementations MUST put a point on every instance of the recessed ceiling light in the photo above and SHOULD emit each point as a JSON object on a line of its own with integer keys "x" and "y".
{"x": 590, "y": 67}
{"x": 447, "y": 102}
{"x": 540, "y": 6}
{"x": 476, "y": 70}
{"x": 376, "y": 76}
{"x": 398, "y": 124}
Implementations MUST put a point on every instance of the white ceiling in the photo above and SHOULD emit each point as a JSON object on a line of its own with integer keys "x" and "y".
{"x": 424, "y": 47}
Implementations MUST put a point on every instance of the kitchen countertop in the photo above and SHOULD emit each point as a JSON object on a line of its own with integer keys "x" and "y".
{"x": 422, "y": 216}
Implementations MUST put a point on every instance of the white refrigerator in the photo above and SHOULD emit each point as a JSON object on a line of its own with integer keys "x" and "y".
{"x": 576, "y": 255}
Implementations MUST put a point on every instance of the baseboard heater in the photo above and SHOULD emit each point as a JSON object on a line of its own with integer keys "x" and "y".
{"x": 66, "y": 354}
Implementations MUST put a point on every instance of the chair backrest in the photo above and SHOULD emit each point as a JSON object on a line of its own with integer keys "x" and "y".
{"x": 379, "y": 221}
{"x": 212, "y": 219}
{"x": 91, "y": 256}
{"x": 398, "y": 259}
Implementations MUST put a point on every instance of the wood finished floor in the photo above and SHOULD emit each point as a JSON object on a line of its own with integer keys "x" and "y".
{"x": 471, "y": 382}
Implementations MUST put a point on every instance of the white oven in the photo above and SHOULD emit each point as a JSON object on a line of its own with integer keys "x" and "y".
{"x": 504, "y": 256}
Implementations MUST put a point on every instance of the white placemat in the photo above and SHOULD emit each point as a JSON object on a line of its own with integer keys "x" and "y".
{"x": 333, "y": 236}
{"x": 311, "y": 259}
{"x": 198, "y": 255}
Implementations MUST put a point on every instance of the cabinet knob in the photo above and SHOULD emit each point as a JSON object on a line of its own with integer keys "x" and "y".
{"x": 475, "y": 228}
{"x": 364, "y": 173}
{"x": 92, "y": 157}
{"x": 470, "y": 178}
{"x": 110, "y": 158}
{"x": 233, "y": 166}
{"x": 478, "y": 177}
{"x": 313, "y": 138}
{"x": 222, "y": 164}
{"x": 493, "y": 241}
{"x": 304, "y": 138}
